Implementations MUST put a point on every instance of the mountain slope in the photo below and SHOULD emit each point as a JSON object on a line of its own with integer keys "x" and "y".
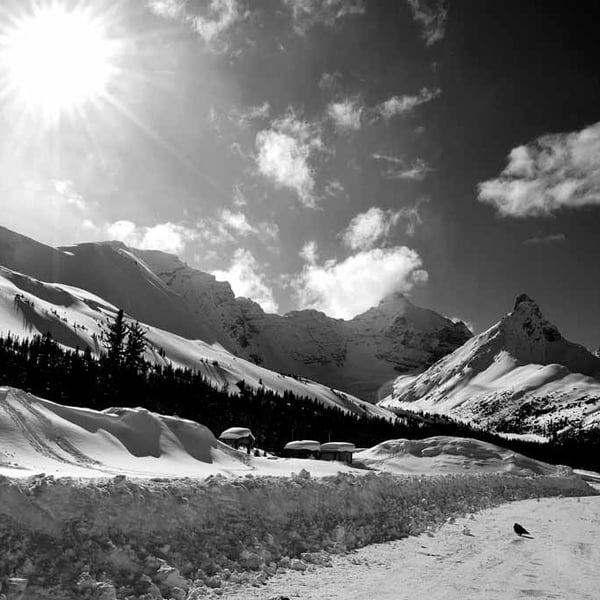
{"x": 520, "y": 375}
{"x": 358, "y": 356}
{"x": 75, "y": 317}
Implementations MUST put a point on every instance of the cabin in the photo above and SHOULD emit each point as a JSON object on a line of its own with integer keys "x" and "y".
{"x": 238, "y": 437}
{"x": 340, "y": 451}
{"x": 302, "y": 449}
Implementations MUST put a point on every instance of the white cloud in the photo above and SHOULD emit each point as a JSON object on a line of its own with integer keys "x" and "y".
{"x": 330, "y": 82}
{"x": 168, "y": 237}
{"x": 398, "y": 168}
{"x": 346, "y": 288}
{"x": 307, "y": 13}
{"x": 310, "y": 252}
{"x": 168, "y": 9}
{"x": 237, "y": 222}
{"x": 222, "y": 14}
{"x": 402, "y": 105}
{"x": 229, "y": 226}
{"x": 345, "y": 114}
{"x": 551, "y": 173}
{"x": 374, "y": 226}
{"x": 368, "y": 228}
{"x": 247, "y": 280}
{"x": 284, "y": 154}
{"x": 431, "y": 16}
{"x": 546, "y": 239}
{"x": 219, "y": 17}
{"x": 334, "y": 188}
{"x": 243, "y": 116}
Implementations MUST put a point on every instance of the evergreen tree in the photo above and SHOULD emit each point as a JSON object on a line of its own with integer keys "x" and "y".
{"x": 113, "y": 339}
{"x": 135, "y": 347}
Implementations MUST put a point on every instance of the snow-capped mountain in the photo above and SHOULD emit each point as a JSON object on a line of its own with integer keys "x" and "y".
{"x": 74, "y": 317}
{"x": 361, "y": 356}
{"x": 520, "y": 375}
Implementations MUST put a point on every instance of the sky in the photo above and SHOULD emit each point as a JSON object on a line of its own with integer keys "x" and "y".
{"x": 321, "y": 154}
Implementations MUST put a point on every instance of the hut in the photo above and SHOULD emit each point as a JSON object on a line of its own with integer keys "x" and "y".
{"x": 341, "y": 451}
{"x": 237, "y": 437}
{"x": 302, "y": 449}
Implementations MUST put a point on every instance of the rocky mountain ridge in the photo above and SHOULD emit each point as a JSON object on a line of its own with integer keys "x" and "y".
{"x": 521, "y": 375}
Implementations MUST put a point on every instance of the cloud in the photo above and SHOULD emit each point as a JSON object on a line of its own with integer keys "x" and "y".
{"x": 230, "y": 225}
{"x": 307, "y": 13}
{"x": 247, "y": 280}
{"x": 431, "y": 16}
{"x": 402, "y": 105}
{"x": 343, "y": 289}
{"x": 168, "y": 237}
{"x": 217, "y": 19}
{"x": 367, "y": 229}
{"x": 284, "y": 154}
{"x": 398, "y": 168}
{"x": 553, "y": 172}
{"x": 547, "y": 239}
{"x": 310, "y": 252}
{"x": 346, "y": 114}
{"x": 243, "y": 116}
{"x": 330, "y": 82}
{"x": 334, "y": 188}
{"x": 374, "y": 226}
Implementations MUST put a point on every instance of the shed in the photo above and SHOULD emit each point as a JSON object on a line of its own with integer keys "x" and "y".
{"x": 341, "y": 451}
{"x": 302, "y": 449}
{"x": 238, "y": 436}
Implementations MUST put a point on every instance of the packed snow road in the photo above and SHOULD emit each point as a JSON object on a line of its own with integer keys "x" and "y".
{"x": 475, "y": 558}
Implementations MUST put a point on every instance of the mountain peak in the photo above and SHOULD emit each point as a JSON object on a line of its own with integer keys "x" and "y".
{"x": 524, "y": 299}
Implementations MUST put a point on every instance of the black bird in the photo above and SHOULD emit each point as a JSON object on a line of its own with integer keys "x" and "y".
{"x": 520, "y": 530}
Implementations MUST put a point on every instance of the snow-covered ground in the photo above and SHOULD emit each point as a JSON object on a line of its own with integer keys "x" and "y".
{"x": 42, "y": 436}
{"x": 132, "y": 502}
{"x": 478, "y": 558}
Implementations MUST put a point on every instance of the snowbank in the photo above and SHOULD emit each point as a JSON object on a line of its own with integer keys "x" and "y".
{"x": 67, "y": 537}
{"x": 444, "y": 454}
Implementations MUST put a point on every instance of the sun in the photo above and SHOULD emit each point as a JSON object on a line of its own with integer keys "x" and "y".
{"x": 56, "y": 59}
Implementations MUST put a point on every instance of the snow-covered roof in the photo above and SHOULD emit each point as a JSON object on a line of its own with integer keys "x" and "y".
{"x": 303, "y": 445}
{"x": 236, "y": 433}
{"x": 337, "y": 447}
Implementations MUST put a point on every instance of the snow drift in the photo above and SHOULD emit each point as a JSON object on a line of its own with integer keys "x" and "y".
{"x": 519, "y": 376}
{"x": 444, "y": 454}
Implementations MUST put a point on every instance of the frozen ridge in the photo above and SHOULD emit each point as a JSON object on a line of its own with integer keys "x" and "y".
{"x": 519, "y": 376}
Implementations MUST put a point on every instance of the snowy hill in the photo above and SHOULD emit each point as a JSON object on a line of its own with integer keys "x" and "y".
{"x": 445, "y": 454}
{"x": 74, "y": 317}
{"x": 520, "y": 375}
{"x": 358, "y": 356}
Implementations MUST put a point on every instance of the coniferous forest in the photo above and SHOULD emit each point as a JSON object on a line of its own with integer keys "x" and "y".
{"x": 121, "y": 377}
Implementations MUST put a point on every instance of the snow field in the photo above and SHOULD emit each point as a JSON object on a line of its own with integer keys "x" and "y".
{"x": 179, "y": 538}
